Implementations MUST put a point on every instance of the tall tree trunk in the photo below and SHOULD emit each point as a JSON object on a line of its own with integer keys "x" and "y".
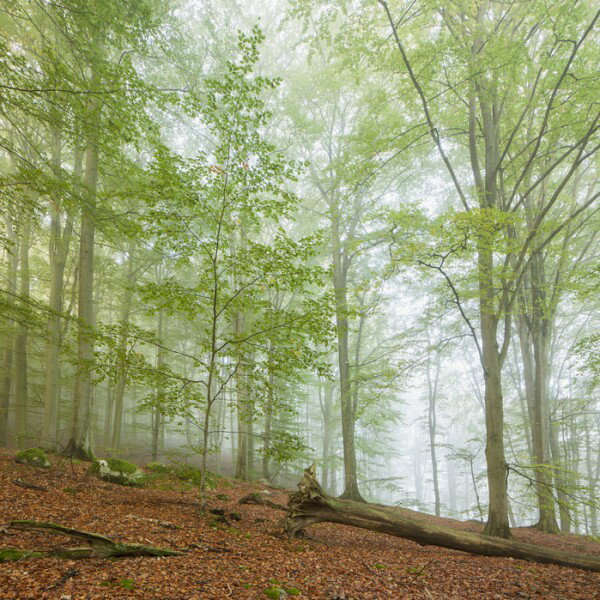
{"x": 108, "y": 414}
{"x": 128, "y": 281}
{"x": 451, "y": 485}
{"x": 82, "y": 395}
{"x": 268, "y": 418}
{"x": 157, "y": 417}
{"x": 432, "y": 388}
{"x": 326, "y": 401}
{"x": 340, "y": 283}
{"x": 497, "y": 469}
{"x": 21, "y": 380}
{"x": 491, "y": 359}
{"x": 241, "y": 468}
{"x": 7, "y": 358}
{"x": 534, "y": 331}
{"x": 592, "y": 477}
{"x": 558, "y": 465}
{"x": 60, "y": 240}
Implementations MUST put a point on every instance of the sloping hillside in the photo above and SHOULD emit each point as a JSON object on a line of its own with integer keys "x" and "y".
{"x": 244, "y": 558}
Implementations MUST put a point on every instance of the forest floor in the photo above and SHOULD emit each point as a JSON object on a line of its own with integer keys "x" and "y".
{"x": 245, "y": 558}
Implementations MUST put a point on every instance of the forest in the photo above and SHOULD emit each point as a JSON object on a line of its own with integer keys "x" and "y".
{"x": 265, "y": 265}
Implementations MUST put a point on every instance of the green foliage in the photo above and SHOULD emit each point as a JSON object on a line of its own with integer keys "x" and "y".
{"x": 185, "y": 473}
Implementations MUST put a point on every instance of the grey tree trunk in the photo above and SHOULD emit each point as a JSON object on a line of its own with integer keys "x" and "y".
{"x": 490, "y": 354}
{"x": 82, "y": 395}
{"x": 340, "y": 283}
{"x": 593, "y": 477}
{"x": 432, "y": 389}
{"x": 60, "y": 240}
{"x": 7, "y": 358}
{"x": 497, "y": 469}
{"x": 326, "y": 403}
{"x": 128, "y": 282}
{"x": 268, "y": 420}
{"x": 559, "y": 480}
{"x": 21, "y": 374}
{"x": 157, "y": 417}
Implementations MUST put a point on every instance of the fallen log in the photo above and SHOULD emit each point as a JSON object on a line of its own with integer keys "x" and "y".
{"x": 99, "y": 546}
{"x": 310, "y": 504}
{"x": 30, "y": 486}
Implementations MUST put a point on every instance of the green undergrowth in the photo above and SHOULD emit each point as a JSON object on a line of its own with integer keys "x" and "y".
{"x": 179, "y": 476}
{"x": 279, "y": 590}
{"x": 126, "y": 584}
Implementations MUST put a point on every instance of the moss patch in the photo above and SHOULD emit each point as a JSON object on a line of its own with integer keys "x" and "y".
{"x": 11, "y": 554}
{"x": 34, "y": 457}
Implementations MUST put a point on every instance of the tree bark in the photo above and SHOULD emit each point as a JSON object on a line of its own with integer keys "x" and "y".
{"x": 558, "y": 465}
{"x": 326, "y": 404}
{"x": 157, "y": 417}
{"x": 310, "y": 504}
{"x": 268, "y": 416}
{"x": 82, "y": 395}
{"x": 7, "y": 359}
{"x": 21, "y": 373}
{"x": 432, "y": 389}
{"x": 128, "y": 282}
{"x": 340, "y": 283}
{"x": 60, "y": 241}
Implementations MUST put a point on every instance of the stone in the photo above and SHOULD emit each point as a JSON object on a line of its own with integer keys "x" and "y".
{"x": 116, "y": 470}
{"x": 34, "y": 457}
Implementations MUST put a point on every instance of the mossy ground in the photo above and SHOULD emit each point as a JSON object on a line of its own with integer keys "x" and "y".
{"x": 179, "y": 476}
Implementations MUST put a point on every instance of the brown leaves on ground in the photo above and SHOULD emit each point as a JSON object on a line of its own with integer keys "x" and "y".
{"x": 243, "y": 560}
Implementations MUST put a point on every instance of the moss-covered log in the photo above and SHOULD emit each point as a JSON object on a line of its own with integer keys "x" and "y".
{"x": 99, "y": 546}
{"x": 310, "y": 504}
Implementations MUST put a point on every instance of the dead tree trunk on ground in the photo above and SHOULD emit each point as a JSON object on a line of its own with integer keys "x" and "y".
{"x": 310, "y": 504}
{"x": 99, "y": 545}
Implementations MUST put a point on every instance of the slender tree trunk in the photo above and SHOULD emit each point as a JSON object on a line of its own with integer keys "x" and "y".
{"x": 7, "y": 358}
{"x": 432, "y": 388}
{"x": 21, "y": 379}
{"x": 82, "y": 396}
{"x": 157, "y": 417}
{"x": 268, "y": 419}
{"x": 451, "y": 486}
{"x": 326, "y": 412}
{"x": 241, "y": 469}
{"x": 60, "y": 241}
{"x": 497, "y": 469}
{"x": 559, "y": 481}
{"x": 535, "y": 348}
{"x": 108, "y": 414}
{"x": 491, "y": 360}
{"x": 592, "y": 482}
{"x": 128, "y": 281}
{"x": 340, "y": 283}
